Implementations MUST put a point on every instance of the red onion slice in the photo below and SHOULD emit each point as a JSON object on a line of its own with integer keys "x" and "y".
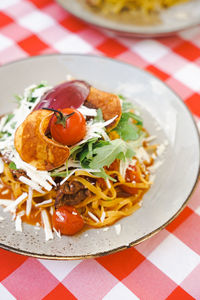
{"x": 70, "y": 94}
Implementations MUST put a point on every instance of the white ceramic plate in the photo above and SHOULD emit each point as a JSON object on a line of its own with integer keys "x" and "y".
{"x": 164, "y": 115}
{"x": 174, "y": 19}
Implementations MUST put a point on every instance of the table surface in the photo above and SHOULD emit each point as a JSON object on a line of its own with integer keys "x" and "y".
{"x": 167, "y": 266}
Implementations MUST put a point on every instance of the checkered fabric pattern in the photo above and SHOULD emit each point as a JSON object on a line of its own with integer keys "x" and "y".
{"x": 166, "y": 266}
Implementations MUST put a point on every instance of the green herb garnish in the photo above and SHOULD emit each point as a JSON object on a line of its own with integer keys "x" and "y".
{"x": 12, "y": 166}
{"x": 126, "y": 129}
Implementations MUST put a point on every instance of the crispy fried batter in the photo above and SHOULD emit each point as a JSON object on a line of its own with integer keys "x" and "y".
{"x": 34, "y": 147}
{"x": 109, "y": 104}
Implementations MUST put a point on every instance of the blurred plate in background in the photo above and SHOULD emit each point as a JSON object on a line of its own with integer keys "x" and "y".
{"x": 169, "y": 21}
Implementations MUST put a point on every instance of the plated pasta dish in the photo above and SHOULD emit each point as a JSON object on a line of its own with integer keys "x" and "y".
{"x": 145, "y": 6}
{"x": 74, "y": 157}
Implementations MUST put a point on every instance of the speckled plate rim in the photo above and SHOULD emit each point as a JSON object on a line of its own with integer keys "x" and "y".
{"x": 131, "y": 33}
{"x": 145, "y": 237}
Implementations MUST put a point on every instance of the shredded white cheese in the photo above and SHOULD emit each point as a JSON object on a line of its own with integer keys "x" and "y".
{"x": 105, "y": 228}
{"x": 118, "y": 229}
{"x": 90, "y": 112}
{"x": 29, "y": 201}
{"x": 1, "y": 219}
{"x": 15, "y": 203}
{"x": 108, "y": 183}
{"x": 93, "y": 217}
{"x": 30, "y": 183}
{"x": 47, "y": 225}
{"x": 150, "y": 138}
{"x": 57, "y": 232}
{"x": 21, "y": 213}
{"x": 36, "y": 228}
{"x": 124, "y": 164}
{"x": 1, "y": 166}
{"x": 142, "y": 155}
{"x": 67, "y": 177}
{"x": 18, "y": 224}
{"x": 78, "y": 169}
{"x": 153, "y": 168}
{"x": 94, "y": 130}
{"x": 43, "y": 203}
{"x": 160, "y": 150}
{"x": 103, "y": 216}
{"x": 5, "y": 192}
{"x": 51, "y": 210}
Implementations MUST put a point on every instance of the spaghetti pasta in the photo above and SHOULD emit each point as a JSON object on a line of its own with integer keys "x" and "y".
{"x": 146, "y": 6}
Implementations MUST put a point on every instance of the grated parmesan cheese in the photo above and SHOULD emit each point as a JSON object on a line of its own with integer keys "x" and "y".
{"x": 78, "y": 169}
{"x": 1, "y": 165}
{"x": 29, "y": 201}
{"x": 18, "y": 223}
{"x": 47, "y": 225}
{"x": 5, "y": 192}
{"x": 153, "y": 168}
{"x": 43, "y": 202}
{"x": 160, "y": 149}
{"x": 87, "y": 112}
{"x": 21, "y": 213}
{"x": 51, "y": 210}
{"x": 142, "y": 155}
{"x": 57, "y": 232}
{"x": 150, "y": 138}
{"x": 93, "y": 217}
{"x": 108, "y": 183}
{"x": 30, "y": 183}
{"x": 118, "y": 229}
{"x": 105, "y": 228}
{"x": 103, "y": 216}
{"x": 15, "y": 203}
{"x": 36, "y": 228}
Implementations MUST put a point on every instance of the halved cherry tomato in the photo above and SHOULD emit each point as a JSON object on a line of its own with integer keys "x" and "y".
{"x": 131, "y": 175}
{"x": 69, "y": 129}
{"x": 67, "y": 220}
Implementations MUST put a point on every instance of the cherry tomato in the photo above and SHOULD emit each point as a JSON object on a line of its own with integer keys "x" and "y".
{"x": 68, "y": 130}
{"x": 67, "y": 220}
{"x": 131, "y": 175}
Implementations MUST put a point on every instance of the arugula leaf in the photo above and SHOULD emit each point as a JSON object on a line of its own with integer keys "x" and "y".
{"x": 126, "y": 106}
{"x": 9, "y": 117}
{"x": 104, "y": 175}
{"x": 105, "y": 155}
{"x": 12, "y": 166}
{"x": 86, "y": 155}
{"x": 3, "y": 133}
{"x": 32, "y": 99}
{"x": 99, "y": 116}
{"x": 121, "y": 97}
{"x": 60, "y": 174}
{"x": 77, "y": 149}
{"x": 126, "y": 129}
{"x": 42, "y": 84}
{"x": 13, "y": 125}
{"x": 18, "y": 98}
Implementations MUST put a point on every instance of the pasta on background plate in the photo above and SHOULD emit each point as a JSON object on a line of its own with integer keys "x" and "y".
{"x": 146, "y": 6}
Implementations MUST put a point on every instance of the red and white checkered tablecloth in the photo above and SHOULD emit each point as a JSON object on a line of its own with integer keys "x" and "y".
{"x": 166, "y": 266}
